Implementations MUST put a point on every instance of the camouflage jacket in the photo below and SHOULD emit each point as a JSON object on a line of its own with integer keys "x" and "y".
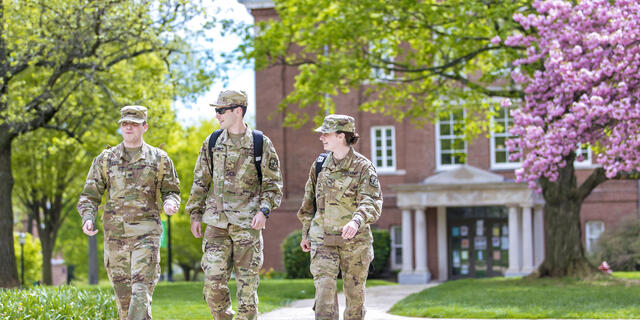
{"x": 345, "y": 190}
{"x": 235, "y": 196}
{"x": 132, "y": 185}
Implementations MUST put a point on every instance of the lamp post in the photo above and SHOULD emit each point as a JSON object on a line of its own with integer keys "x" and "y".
{"x": 21, "y": 240}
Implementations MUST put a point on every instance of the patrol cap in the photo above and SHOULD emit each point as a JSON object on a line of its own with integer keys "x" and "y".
{"x": 337, "y": 122}
{"x": 231, "y": 97}
{"x": 137, "y": 114}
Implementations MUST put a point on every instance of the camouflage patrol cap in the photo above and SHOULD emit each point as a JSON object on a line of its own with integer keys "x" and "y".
{"x": 137, "y": 114}
{"x": 337, "y": 122}
{"x": 231, "y": 97}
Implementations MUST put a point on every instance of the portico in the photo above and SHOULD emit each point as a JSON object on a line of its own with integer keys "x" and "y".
{"x": 522, "y": 236}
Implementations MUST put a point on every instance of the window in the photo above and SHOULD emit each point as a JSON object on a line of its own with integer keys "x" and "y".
{"x": 593, "y": 230}
{"x": 383, "y": 148}
{"x": 583, "y": 150}
{"x": 451, "y": 149}
{"x": 381, "y": 52}
{"x": 396, "y": 247}
{"x": 499, "y": 152}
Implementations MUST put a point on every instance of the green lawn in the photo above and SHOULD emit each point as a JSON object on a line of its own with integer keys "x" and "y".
{"x": 183, "y": 300}
{"x": 524, "y": 298}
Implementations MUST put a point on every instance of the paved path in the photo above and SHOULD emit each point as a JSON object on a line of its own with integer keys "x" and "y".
{"x": 378, "y": 300}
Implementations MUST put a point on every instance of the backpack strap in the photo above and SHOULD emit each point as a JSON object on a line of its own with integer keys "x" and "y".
{"x": 160, "y": 177}
{"x": 212, "y": 143}
{"x": 319, "y": 163}
{"x": 257, "y": 152}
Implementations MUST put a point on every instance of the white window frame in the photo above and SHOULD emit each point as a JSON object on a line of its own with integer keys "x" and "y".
{"x": 586, "y": 163}
{"x": 378, "y": 74}
{"x": 395, "y": 265}
{"x": 439, "y": 165}
{"x": 504, "y": 165}
{"x": 374, "y": 158}
{"x": 592, "y": 237}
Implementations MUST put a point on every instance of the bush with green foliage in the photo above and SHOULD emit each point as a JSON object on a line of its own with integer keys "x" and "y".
{"x": 620, "y": 246}
{"x": 32, "y": 258}
{"x": 58, "y": 303}
{"x": 381, "y": 250}
{"x": 296, "y": 263}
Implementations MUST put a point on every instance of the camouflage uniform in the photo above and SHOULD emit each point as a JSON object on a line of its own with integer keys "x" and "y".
{"x": 345, "y": 190}
{"x": 131, "y": 220}
{"x": 227, "y": 207}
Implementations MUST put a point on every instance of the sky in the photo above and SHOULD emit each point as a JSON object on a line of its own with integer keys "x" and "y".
{"x": 191, "y": 113}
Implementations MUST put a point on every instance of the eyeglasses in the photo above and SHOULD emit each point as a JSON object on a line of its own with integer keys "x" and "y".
{"x": 224, "y": 109}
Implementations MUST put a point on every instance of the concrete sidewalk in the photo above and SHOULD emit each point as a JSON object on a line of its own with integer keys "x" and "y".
{"x": 378, "y": 301}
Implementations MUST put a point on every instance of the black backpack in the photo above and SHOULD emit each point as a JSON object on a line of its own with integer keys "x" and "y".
{"x": 257, "y": 150}
{"x": 319, "y": 162}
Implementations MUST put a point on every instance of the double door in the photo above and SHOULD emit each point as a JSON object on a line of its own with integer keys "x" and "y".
{"x": 478, "y": 243}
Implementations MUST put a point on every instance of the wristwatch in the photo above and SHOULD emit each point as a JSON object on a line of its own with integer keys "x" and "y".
{"x": 265, "y": 211}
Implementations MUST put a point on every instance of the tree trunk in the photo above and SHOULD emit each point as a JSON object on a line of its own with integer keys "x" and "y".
{"x": 8, "y": 268}
{"x": 187, "y": 272}
{"x": 47, "y": 250}
{"x": 564, "y": 254}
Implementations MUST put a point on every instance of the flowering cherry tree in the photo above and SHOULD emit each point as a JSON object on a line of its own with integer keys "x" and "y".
{"x": 581, "y": 80}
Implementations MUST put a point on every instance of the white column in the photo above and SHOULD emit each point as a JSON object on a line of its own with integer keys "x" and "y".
{"x": 407, "y": 242}
{"x": 527, "y": 240}
{"x": 421, "y": 241}
{"x": 443, "y": 262}
{"x": 514, "y": 242}
{"x": 538, "y": 236}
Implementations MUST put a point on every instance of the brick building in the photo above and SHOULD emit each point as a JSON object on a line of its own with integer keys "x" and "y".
{"x": 456, "y": 216}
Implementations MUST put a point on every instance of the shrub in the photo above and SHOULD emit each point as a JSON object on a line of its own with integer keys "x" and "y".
{"x": 57, "y": 303}
{"x": 620, "y": 246}
{"x": 296, "y": 262}
{"x": 381, "y": 250}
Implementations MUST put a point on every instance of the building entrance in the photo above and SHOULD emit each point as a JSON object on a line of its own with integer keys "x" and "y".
{"x": 478, "y": 241}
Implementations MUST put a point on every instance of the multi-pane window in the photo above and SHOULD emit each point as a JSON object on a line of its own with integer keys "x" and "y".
{"x": 396, "y": 247}
{"x": 451, "y": 148}
{"x": 583, "y": 150}
{"x": 383, "y": 148}
{"x": 381, "y": 60}
{"x": 502, "y": 122}
{"x": 593, "y": 231}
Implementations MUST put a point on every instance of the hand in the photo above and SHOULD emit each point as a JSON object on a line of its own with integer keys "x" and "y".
{"x": 349, "y": 230}
{"x": 259, "y": 220}
{"x": 305, "y": 244}
{"x": 87, "y": 228}
{"x": 196, "y": 229}
{"x": 170, "y": 207}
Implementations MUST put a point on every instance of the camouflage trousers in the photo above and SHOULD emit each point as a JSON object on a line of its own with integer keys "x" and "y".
{"x": 237, "y": 249}
{"x": 353, "y": 259}
{"x": 133, "y": 267}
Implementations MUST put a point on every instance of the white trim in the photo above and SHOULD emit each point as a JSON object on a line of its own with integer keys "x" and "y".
{"x": 257, "y": 4}
{"x": 587, "y": 162}
{"x": 395, "y": 265}
{"x": 492, "y": 151}
{"x": 439, "y": 165}
{"x": 383, "y": 139}
{"x": 588, "y": 237}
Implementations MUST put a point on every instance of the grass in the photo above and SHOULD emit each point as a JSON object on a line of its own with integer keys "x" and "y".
{"x": 58, "y": 303}
{"x": 171, "y": 300}
{"x": 183, "y": 300}
{"x": 525, "y": 298}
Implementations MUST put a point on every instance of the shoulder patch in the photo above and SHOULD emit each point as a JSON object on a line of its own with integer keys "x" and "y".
{"x": 373, "y": 181}
{"x": 273, "y": 163}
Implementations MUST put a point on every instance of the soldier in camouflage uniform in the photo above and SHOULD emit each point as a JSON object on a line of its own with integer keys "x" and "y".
{"x": 234, "y": 204}
{"x": 348, "y": 199}
{"x": 132, "y": 173}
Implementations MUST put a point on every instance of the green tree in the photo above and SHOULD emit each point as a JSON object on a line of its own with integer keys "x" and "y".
{"x": 184, "y": 146}
{"x": 63, "y": 64}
